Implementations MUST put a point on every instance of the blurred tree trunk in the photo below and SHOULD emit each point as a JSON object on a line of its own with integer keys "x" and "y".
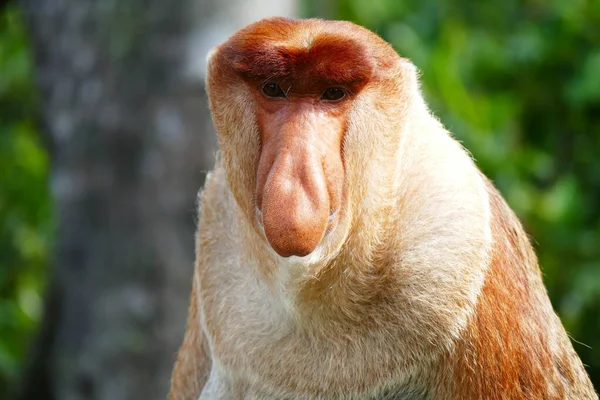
{"x": 127, "y": 123}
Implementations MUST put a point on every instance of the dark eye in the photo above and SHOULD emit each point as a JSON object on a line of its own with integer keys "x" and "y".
{"x": 333, "y": 94}
{"x": 273, "y": 90}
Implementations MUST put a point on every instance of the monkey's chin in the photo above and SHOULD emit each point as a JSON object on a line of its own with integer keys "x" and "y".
{"x": 317, "y": 253}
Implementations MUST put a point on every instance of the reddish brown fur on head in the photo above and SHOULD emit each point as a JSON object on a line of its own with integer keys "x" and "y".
{"x": 299, "y": 181}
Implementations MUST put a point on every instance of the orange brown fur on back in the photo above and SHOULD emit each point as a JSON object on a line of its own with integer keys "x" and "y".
{"x": 421, "y": 283}
{"x": 532, "y": 357}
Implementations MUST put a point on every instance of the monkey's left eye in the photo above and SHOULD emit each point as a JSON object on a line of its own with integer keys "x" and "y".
{"x": 272, "y": 90}
{"x": 333, "y": 94}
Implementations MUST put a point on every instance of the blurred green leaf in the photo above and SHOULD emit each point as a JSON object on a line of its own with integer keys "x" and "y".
{"x": 25, "y": 209}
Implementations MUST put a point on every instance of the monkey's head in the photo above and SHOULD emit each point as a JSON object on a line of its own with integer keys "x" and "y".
{"x": 302, "y": 108}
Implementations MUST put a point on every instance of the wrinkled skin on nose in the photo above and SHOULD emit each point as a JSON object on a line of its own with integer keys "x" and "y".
{"x": 299, "y": 177}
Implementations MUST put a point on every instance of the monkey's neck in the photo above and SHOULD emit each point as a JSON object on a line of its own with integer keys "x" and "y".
{"x": 360, "y": 284}
{"x": 418, "y": 256}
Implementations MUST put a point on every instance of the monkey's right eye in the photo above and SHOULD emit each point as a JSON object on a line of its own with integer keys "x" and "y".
{"x": 272, "y": 90}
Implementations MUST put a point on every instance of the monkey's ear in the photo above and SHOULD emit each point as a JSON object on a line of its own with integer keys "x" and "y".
{"x": 408, "y": 67}
{"x": 210, "y": 54}
{"x": 214, "y": 57}
{"x": 411, "y": 76}
{"x": 215, "y": 67}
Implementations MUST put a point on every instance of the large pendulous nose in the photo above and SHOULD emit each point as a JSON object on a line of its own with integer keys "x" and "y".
{"x": 295, "y": 203}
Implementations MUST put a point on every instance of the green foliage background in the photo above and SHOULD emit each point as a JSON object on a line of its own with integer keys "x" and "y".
{"x": 25, "y": 208}
{"x": 517, "y": 81}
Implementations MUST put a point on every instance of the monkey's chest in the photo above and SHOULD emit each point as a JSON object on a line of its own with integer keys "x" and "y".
{"x": 258, "y": 347}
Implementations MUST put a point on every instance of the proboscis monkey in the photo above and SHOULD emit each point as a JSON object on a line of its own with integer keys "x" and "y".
{"x": 348, "y": 247}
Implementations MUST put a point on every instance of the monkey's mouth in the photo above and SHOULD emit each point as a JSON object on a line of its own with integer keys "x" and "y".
{"x": 332, "y": 215}
{"x": 332, "y": 222}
